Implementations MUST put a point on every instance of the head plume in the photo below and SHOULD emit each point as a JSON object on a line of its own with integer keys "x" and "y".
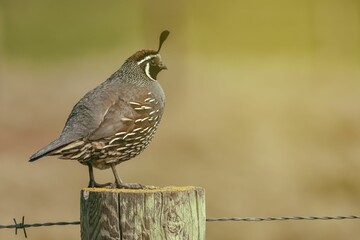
{"x": 163, "y": 37}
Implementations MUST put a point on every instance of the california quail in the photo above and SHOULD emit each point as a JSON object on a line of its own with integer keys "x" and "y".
{"x": 115, "y": 121}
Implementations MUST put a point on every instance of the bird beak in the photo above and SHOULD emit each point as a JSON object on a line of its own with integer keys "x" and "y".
{"x": 162, "y": 66}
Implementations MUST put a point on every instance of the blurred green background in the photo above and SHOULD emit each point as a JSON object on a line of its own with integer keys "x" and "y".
{"x": 263, "y": 108}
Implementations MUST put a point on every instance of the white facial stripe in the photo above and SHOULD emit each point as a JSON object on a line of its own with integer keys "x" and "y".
{"x": 147, "y": 58}
{"x": 147, "y": 71}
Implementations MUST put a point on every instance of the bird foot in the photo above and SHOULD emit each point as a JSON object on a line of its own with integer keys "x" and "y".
{"x": 130, "y": 186}
{"x": 93, "y": 184}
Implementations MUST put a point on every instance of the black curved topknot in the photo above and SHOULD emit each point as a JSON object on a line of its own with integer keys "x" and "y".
{"x": 163, "y": 37}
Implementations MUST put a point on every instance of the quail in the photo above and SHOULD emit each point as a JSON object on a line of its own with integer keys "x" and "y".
{"x": 115, "y": 121}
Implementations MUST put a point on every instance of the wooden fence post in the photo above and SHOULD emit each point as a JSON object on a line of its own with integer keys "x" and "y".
{"x": 174, "y": 213}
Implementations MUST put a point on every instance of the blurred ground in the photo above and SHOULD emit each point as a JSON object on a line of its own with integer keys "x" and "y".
{"x": 262, "y": 108}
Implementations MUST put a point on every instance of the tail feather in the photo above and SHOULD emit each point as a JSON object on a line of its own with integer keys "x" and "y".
{"x": 47, "y": 149}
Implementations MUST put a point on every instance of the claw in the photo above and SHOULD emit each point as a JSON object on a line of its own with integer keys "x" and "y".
{"x": 93, "y": 184}
{"x": 130, "y": 186}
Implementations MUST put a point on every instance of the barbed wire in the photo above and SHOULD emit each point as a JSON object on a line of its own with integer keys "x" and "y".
{"x": 260, "y": 219}
{"x": 23, "y": 225}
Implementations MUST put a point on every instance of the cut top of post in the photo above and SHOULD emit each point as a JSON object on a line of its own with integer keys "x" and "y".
{"x": 150, "y": 189}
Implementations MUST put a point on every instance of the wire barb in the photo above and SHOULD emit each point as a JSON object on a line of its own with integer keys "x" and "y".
{"x": 20, "y": 225}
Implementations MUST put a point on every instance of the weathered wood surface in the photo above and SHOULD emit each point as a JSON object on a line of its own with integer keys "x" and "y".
{"x": 171, "y": 213}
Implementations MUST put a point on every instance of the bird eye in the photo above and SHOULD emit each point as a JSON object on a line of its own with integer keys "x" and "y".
{"x": 153, "y": 62}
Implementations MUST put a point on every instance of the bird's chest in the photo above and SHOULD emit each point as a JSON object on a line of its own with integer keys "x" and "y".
{"x": 144, "y": 112}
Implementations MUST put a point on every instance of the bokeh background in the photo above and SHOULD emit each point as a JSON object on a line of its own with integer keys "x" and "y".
{"x": 263, "y": 108}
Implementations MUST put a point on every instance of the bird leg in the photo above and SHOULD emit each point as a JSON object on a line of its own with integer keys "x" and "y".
{"x": 118, "y": 180}
{"x": 120, "y": 184}
{"x": 92, "y": 183}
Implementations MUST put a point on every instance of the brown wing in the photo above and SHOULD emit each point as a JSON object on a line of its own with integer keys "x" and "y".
{"x": 128, "y": 117}
{"x": 117, "y": 118}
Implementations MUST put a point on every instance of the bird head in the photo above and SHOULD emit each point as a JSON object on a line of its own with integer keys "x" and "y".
{"x": 150, "y": 61}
